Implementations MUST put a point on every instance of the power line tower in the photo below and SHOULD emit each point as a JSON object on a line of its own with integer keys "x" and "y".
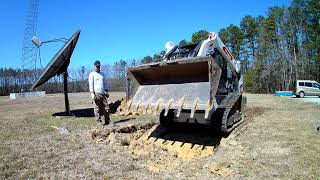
{"x": 29, "y": 51}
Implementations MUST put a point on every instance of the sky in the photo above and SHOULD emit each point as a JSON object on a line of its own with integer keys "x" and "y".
{"x": 122, "y": 29}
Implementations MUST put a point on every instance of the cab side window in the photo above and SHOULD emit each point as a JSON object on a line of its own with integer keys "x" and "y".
{"x": 219, "y": 58}
{"x": 301, "y": 83}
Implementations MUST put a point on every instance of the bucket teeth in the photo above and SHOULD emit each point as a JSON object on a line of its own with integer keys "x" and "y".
{"x": 146, "y": 107}
{"x": 136, "y": 111}
{"x": 128, "y": 107}
{"x": 180, "y": 107}
{"x": 168, "y": 107}
{"x": 157, "y": 107}
{"x": 194, "y": 107}
{"x": 210, "y": 105}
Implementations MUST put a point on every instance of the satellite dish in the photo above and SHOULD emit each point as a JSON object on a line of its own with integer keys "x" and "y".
{"x": 36, "y": 41}
{"x": 58, "y": 65}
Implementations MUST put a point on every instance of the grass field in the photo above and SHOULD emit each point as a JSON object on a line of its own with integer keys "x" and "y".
{"x": 279, "y": 139}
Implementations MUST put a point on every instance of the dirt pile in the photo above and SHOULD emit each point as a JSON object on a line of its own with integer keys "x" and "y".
{"x": 158, "y": 137}
{"x": 160, "y": 149}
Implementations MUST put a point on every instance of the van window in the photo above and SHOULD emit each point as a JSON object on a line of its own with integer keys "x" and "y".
{"x": 301, "y": 83}
{"x": 316, "y": 85}
{"x": 308, "y": 84}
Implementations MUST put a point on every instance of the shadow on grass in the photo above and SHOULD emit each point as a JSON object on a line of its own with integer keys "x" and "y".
{"x": 89, "y": 112}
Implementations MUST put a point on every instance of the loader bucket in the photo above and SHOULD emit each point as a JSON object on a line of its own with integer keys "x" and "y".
{"x": 188, "y": 84}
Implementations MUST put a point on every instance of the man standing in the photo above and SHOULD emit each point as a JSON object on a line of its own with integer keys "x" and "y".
{"x": 99, "y": 94}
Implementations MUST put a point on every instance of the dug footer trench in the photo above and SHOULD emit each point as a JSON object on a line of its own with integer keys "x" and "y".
{"x": 149, "y": 137}
{"x": 162, "y": 149}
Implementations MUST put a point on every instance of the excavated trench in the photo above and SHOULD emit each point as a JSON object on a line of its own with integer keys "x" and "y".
{"x": 145, "y": 137}
{"x": 164, "y": 150}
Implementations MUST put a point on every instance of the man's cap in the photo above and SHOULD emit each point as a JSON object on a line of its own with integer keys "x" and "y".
{"x": 97, "y": 63}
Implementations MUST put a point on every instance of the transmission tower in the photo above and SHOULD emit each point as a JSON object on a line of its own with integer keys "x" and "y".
{"x": 29, "y": 51}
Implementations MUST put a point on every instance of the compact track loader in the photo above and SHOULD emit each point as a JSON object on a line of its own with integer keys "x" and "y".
{"x": 196, "y": 83}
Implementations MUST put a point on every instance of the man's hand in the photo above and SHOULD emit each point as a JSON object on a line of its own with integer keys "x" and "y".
{"x": 106, "y": 92}
{"x": 93, "y": 96}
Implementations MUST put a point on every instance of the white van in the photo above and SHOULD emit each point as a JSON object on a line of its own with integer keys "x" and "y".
{"x": 307, "y": 88}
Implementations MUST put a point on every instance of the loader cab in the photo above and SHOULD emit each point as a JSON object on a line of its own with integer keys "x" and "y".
{"x": 228, "y": 81}
{"x": 220, "y": 60}
{"x": 185, "y": 51}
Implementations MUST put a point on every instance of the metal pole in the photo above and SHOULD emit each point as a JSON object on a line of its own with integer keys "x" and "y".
{"x": 65, "y": 87}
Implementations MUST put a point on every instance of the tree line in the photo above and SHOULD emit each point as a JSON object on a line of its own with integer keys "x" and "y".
{"x": 16, "y": 80}
{"x": 279, "y": 48}
{"x": 275, "y": 50}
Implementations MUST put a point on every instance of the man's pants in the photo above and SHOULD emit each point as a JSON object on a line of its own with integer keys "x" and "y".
{"x": 101, "y": 109}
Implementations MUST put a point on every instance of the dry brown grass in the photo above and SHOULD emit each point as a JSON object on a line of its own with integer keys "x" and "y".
{"x": 280, "y": 140}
